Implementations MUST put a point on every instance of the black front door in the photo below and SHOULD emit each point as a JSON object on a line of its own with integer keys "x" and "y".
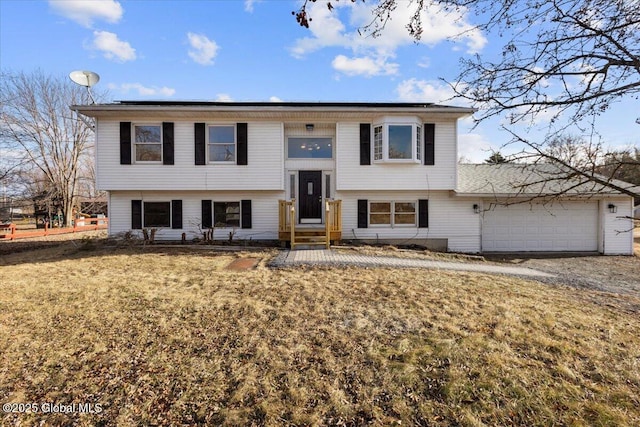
{"x": 310, "y": 194}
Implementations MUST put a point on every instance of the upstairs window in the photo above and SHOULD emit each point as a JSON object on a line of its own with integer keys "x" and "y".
{"x": 400, "y": 142}
{"x": 419, "y": 143}
{"x": 397, "y": 142}
{"x": 377, "y": 143}
{"x": 309, "y": 148}
{"x": 148, "y": 143}
{"x": 222, "y": 144}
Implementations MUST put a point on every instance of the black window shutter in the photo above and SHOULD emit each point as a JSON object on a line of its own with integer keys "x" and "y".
{"x": 363, "y": 208}
{"x": 167, "y": 143}
{"x": 136, "y": 214}
{"x": 176, "y": 214}
{"x": 245, "y": 209}
{"x": 125, "y": 143}
{"x": 423, "y": 213}
{"x": 207, "y": 214}
{"x": 429, "y": 143}
{"x": 365, "y": 144}
{"x": 242, "y": 144}
{"x": 200, "y": 143}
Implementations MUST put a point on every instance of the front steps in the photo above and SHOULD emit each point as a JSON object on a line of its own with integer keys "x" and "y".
{"x": 308, "y": 236}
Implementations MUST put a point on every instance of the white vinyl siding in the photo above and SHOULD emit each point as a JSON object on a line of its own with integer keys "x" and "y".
{"x": 264, "y": 213}
{"x": 616, "y": 228}
{"x": 351, "y": 175}
{"x": 449, "y": 218}
{"x": 264, "y": 171}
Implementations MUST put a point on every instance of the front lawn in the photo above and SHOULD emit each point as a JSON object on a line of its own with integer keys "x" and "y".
{"x": 169, "y": 337}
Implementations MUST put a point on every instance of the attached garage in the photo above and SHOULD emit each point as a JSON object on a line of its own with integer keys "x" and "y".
{"x": 536, "y": 227}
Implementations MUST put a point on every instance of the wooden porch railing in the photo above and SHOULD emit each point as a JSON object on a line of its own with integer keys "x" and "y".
{"x": 333, "y": 216}
{"x": 284, "y": 215}
{"x": 301, "y": 235}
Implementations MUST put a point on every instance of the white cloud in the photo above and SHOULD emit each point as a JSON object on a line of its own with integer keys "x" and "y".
{"x": 143, "y": 90}
{"x": 275, "y": 99}
{"x": 112, "y": 47}
{"x": 248, "y": 4}
{"x": 223, "y": 97}
{"x": 328, "y": 30}
{"x": 534, "y": 78}
{"x": 85, "y": 12}
{"x": 203, "y": 50}
{"x": 364, "y": 66}
{"x": 414, "y": 90}
{"x": 474, "y": 148}
{"x": 424, "y": 62}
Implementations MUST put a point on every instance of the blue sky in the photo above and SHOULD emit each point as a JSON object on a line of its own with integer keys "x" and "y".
{"x": 253, "y": 50}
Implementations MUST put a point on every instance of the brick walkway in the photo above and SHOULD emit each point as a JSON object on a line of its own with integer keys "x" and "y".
{"x": 330, "y": 257}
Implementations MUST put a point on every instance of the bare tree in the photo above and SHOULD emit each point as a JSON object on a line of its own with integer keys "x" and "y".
{"x": 558, "y": 56}
{"x": 563, "y": 62}
{"x": 571, "y": 165}
{"x": 35, "y": 120}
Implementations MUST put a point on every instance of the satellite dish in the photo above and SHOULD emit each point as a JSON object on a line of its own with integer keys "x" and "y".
{"x": 86, "y": 79}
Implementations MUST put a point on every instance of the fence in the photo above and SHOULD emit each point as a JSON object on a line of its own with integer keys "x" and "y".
{"x": 10, "y": 232}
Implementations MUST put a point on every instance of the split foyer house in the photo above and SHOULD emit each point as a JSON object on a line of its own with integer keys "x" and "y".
{"x": 376, "y": 172}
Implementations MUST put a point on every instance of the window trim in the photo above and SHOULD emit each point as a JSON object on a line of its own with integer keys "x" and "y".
{"x": 416, "y": 132}
{"x": 208, "y": 144}
{"x": 134, "y": 144}
{"x": 393, "y": 213}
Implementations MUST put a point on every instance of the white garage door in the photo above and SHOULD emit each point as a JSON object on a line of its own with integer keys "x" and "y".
{"x": 568, "y": 226}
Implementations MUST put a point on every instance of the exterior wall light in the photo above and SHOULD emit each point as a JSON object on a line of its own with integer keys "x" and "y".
{"x": 476, "y": 208}
{"x": 612, "y": 208}
{"x": 309, "y": 127}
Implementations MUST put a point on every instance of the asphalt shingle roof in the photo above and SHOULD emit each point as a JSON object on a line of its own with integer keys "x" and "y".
{"x": 527, "y": 179}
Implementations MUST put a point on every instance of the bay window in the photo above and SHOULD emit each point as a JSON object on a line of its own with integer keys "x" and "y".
{"x": 397, "y": 140}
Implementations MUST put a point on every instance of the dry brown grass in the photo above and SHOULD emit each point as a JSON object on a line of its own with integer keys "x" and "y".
{"x": 167, "y": 337}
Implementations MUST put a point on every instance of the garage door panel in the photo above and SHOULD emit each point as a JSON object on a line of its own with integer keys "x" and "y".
{"x": 570, "y": 226}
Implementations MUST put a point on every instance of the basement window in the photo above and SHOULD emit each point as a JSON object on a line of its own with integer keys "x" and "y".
{"x": 157, "y": 214}
{"x": 226, "y": 214}
{"x": 392, "y": 214}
